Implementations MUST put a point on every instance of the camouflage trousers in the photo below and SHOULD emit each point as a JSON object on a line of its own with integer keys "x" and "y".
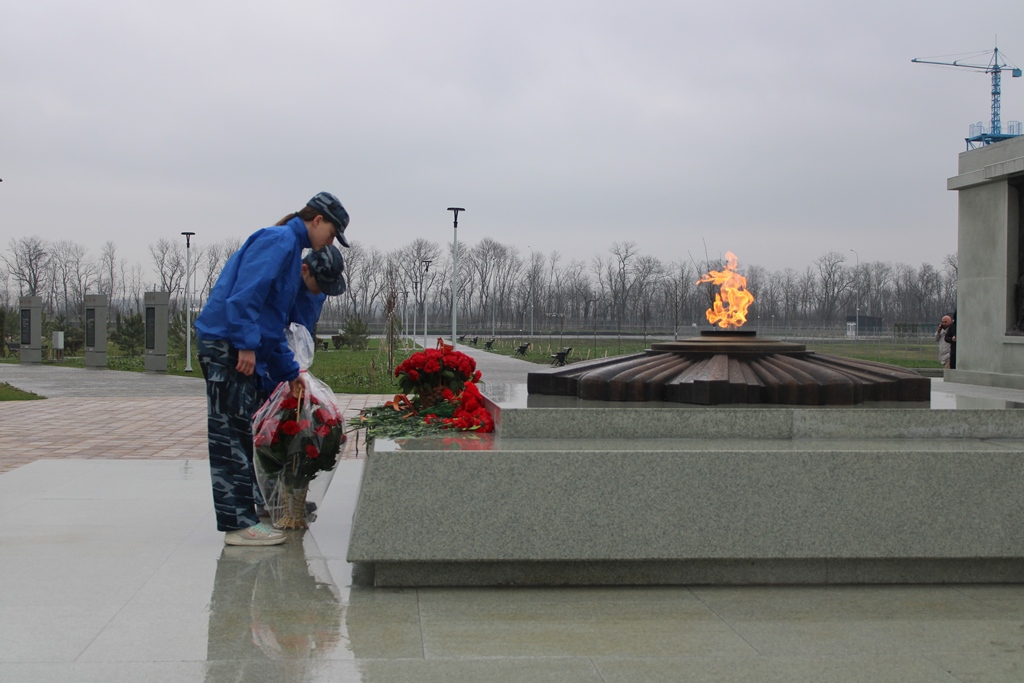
{"x": 231, "y": 400}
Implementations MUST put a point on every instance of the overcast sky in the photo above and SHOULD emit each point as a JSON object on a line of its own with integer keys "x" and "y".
{"x": 778, "y": 131}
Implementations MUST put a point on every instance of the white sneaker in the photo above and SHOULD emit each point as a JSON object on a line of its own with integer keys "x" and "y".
{"x": 259, "y": 534}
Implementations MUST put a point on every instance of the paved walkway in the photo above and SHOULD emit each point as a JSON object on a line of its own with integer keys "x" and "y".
{"x": 118, "y": 415}
{"x": 131, "y": 415}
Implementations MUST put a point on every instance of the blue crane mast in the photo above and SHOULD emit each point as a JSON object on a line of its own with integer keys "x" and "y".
{"x": 996, "y": 66}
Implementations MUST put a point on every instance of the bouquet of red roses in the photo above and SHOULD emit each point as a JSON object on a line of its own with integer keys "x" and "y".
{"x": 462, "y": 412}
{"x": 297, "y": 440}
{"x": 428, "y": 373}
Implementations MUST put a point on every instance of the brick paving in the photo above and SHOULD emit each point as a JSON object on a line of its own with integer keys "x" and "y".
{"x": 134, "y": 415}
{"x": 126, "y": 428}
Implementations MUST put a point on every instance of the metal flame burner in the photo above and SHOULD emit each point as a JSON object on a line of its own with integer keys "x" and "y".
{"x": 731, "y": 367}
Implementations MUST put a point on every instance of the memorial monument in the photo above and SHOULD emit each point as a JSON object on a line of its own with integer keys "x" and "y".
{"x": 31, "y": 339}
{"x": 95, "y": 331}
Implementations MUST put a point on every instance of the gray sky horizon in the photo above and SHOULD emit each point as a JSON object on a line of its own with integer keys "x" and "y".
{"x": 776, "y": 132}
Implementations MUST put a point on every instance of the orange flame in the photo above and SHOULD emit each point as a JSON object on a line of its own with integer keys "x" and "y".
{"x": 732, "y": 299}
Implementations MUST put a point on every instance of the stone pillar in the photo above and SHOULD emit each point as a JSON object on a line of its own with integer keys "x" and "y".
{"x": 990, "y": 277}
{"x": 156, "y": 314}
{"x": 95, "y": 331}
{"x": 31, "y": 330}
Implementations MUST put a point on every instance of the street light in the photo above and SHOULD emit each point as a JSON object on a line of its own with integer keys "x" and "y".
{"x": 426, "y": 268}
{"x": 593, "y": 317}
{"x": 531, "y": 289}
{"x": 494, "y": 263}
{"x": 455, "y": 267}
{"x": 856, "y": 330}
{"x": 188, "y": 303}
{"x": 415, "y": 308}
{"x": 405, "y": 311}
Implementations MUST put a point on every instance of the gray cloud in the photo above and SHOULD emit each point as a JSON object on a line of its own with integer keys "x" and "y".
{"x": 777, "y": 132}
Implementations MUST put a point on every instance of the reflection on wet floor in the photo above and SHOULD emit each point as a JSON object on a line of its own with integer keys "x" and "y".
{"x": 273, "y": 604}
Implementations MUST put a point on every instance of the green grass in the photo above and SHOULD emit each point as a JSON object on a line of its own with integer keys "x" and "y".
{"x": 358, "y": 372}
{"x": 344, "y": 370}
{"x": 908, "y": 354}
{"x": 9, "y": 393}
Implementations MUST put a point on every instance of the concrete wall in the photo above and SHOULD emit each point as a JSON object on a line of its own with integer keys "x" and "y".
{"x": 987, "y": 246}
{"x": 933, "y": 496}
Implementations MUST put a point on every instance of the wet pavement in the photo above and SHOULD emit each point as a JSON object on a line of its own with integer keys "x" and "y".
{"x": 112, "y": 570}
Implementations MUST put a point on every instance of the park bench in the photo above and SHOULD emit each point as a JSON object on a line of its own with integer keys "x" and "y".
{"x": 522, "y": 349}
{"x": 12, "y": 348}
{"x": 560, "y": 357}
{"x": 443, "y": 346}
{"x": 489, "y": 345}
{"x": 322, "y": 343}
{"x": 474, "y": 340}
{"x": 338, "y": 340}
{"x": 462, "y": 338}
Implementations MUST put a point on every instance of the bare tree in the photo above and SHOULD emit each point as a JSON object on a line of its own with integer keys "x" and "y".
{"x": 833, "y": 281}
{"x": 108, "y": 266}
{"x": 622, "y": 279}
{"x": 71, "y": 274}
{"x": 648, "y": 275}
{"x": 169, "y": 260}
{"x": 26, "y": 263}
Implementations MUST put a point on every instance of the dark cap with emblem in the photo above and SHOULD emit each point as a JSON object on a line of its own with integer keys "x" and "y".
{"x": 327, "y": 268}
{"x": 331, "y": 209}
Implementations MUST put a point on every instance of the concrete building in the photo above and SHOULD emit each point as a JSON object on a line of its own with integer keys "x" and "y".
{"x": 990, "y": 296}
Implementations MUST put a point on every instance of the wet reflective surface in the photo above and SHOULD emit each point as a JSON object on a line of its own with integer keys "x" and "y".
{"x": 113, "y": 571}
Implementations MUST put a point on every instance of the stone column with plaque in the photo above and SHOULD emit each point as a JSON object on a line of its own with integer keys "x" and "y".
{"x": 156, "y": 307}
{"x": 31, "y": 341}
{"x": 95, "y": 331}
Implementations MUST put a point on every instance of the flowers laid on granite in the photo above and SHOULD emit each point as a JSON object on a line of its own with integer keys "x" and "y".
{"x": 297, "y": 440}
{"x": 425, "y": 375}
{"x": 440, "y": 396}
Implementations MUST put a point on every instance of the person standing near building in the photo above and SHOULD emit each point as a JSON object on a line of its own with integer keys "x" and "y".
{"x": 950, "y": 338}
{"x": 940, "y": 336}
{"x": 242, "y": 349}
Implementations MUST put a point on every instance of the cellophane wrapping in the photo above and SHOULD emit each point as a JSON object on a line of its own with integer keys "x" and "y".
{"x": 297, "y": 441}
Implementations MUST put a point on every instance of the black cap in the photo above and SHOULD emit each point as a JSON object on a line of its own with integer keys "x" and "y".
{"x": 328, "y": 205}
{"x": 327, "y": 267}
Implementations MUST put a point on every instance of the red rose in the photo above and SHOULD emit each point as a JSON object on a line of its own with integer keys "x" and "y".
{"x": 414, "y": 376}
{"x": 311, "y": 451}
{"x": 290, "y": 403}
{"x": 322, "y": 431}
{"x": 291, "y": 427}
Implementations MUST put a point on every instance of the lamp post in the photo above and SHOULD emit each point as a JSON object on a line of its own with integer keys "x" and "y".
{"x": 531, "y": 289}
{"x": 494, "y": 263}
{"x": 188, "y": 303}
{"x": 405, "y": 310}
{"x": 455, "y": 267}
{"x": 856, "y": 325}
{"x": 426, "y": 269}
{"x": 415, "y": 308}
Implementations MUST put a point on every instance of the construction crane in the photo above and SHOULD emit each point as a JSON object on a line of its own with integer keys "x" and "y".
{"x": 996, "y": 66}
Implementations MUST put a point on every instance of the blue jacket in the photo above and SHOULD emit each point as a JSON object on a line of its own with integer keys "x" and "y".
{"x": 253, "y": 300}
{"x": 306, "y": 310}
